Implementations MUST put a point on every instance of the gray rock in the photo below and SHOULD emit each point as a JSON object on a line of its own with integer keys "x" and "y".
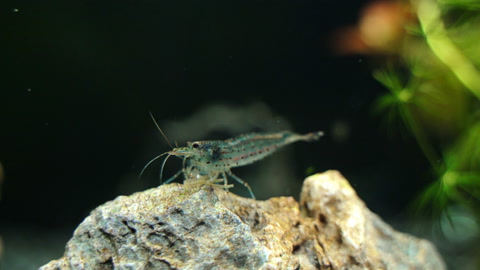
{"x": 194, "y": 226}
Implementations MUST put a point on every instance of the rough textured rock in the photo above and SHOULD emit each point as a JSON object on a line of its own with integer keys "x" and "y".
{"x": 202, "y": 227}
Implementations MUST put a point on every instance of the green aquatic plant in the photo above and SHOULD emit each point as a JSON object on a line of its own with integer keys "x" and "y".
{"x": 434, "y": 92}
{"x": 429, "y": 57}
{"x": 439, "y": 102}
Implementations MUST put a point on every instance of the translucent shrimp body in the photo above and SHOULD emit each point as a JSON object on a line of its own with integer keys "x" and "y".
{"x": 212, "y": 158}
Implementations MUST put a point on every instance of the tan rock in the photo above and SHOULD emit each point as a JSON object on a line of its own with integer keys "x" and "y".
{"x": 202, "y": 227}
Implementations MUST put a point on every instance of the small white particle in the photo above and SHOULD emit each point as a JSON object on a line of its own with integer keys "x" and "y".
{"x": 29, "y": 90}
{"x": 15, "y": 10}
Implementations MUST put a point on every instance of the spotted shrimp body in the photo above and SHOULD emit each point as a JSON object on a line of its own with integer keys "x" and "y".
{"x": 219, "y": 156}
{"x": 212, "y": 158}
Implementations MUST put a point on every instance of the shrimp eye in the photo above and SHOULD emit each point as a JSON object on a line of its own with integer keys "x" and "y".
{"x": 195, "y": 145}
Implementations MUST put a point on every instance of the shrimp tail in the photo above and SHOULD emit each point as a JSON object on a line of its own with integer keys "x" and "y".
{"x": 313, "y": 136}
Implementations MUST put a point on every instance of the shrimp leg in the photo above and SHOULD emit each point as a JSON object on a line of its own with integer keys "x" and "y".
{"x": 240, "y": 181}
{"x": 173, "y": 177}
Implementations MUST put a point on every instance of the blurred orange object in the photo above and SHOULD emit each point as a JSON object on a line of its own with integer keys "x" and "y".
{"x": 380, "y": 30}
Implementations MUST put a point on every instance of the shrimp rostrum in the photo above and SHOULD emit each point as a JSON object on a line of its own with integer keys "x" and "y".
{"x": 210, "y": 159}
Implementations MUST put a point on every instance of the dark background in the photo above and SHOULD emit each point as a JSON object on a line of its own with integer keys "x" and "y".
{"x": 79, "y": 78}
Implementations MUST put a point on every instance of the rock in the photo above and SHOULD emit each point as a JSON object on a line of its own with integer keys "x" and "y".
{"x": 203, "y": 227}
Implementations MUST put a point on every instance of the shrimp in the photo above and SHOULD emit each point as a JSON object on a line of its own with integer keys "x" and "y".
{"x": 209, "y": 159}
{"x": 213, "y": 158}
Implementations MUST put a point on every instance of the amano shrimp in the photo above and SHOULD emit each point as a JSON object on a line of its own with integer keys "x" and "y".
{"x": 213, "y": 158}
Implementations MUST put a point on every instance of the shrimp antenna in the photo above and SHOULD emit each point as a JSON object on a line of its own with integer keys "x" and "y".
{"x": 150, "y": 162}
{"x": 163, "y": 134}
{"x": 163, "y": 165}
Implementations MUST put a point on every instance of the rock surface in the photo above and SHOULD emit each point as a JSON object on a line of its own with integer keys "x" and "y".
{"x": 202, "y": 227}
